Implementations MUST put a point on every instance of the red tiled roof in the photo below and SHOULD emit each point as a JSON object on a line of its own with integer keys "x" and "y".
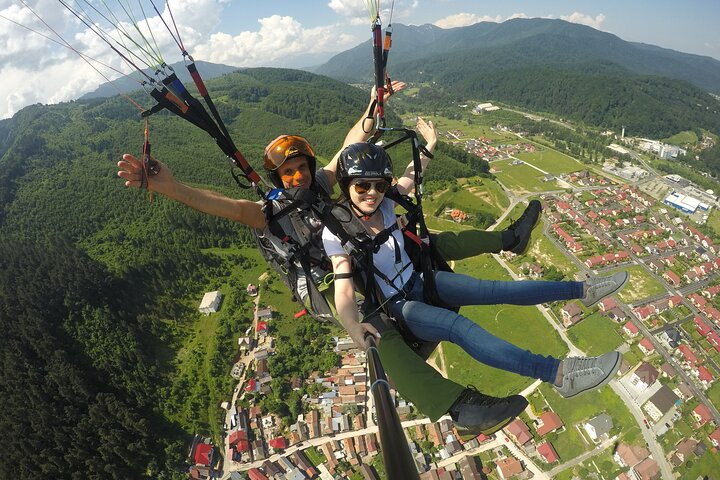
{"x": 203, "y": 451}
{"x": 550, "y": 422}
{"x": 548, "y": 452}
{"x": 703, "y": 412}
{"x": 237, "y": 436}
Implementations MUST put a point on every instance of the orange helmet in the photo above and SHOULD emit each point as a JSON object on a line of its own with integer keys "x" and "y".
{"x": 283, "y": 148}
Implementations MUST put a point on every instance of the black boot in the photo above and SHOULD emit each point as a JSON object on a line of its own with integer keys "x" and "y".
{"x": 474, "y": 412}
{"x": 523, "y": 227}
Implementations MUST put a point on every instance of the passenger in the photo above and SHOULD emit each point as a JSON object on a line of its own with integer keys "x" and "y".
{"x": 364, "y": 174}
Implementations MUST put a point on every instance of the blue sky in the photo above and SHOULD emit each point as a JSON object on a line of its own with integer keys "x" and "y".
{"x": 298, "y": 33}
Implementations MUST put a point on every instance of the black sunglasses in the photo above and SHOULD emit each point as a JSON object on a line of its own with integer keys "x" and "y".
{"x": 381, "y": 186}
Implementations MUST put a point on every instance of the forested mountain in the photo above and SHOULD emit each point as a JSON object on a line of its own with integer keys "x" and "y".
{"x": 486, "y": 47}
{"x": 93, "y": 276}
{"x": 91, "y": 272}
{"x": 552, "y": 66}
{"x": 128, "y": 83}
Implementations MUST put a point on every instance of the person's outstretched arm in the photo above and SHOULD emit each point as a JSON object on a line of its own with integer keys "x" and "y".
{"x": 346, "y": 302}
{"x": 242, "y": 211}
{"x": 406, "y": 182}
{"x": 361, "y": 131}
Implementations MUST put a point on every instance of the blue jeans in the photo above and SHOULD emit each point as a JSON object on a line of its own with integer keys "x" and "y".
{"x": 435, "y": 324}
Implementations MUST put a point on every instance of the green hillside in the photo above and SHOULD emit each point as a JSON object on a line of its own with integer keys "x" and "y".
{"x": 102, "y": 373}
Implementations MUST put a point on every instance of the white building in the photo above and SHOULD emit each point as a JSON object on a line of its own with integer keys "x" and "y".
{"x": 684, "y": 203}
{"x": 210, "y": 302}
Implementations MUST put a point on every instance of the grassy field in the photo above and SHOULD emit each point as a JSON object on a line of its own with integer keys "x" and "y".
{"x": 204, "y": 381}
{"x": 713, "y": 393}
{"x": 521, "y": 178}
{"x": 548, "y": 254}
{"x": 570, "y": 444}
{"x": 595, "y": 335}
{"x": 522, "y": 326}
{"x": 551, "y": 161}
{"x": 688, "y": 136}
{"x": 641, "y": 285}
{"x": 487, "y": 197}
{"x": 714, "y": 220}
{"x": 471, "y": 126}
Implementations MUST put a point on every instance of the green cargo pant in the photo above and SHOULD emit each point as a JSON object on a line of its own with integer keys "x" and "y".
{"x": 468, "y": 243}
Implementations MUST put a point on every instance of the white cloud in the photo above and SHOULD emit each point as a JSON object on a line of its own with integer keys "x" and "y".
{"x": 577, "y": 17}
{"x": 517, "y": 15}
{"x": 278, "y": 37}
{"x": 357, "y": 12}
{"x": 465, "y": 19}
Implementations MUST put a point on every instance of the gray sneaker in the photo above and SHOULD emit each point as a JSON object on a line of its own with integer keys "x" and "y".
{"x": 601, "y": 287}
{"x": 581, "y": 374}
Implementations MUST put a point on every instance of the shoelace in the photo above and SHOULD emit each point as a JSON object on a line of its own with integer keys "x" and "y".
{"x": 580, "y": 367}
{"x": 600, "y": 285}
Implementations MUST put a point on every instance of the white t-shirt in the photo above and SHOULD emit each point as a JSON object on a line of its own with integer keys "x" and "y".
{"x": 399, "y": 273}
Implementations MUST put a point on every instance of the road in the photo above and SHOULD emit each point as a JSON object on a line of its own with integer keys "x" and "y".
{"x": 655, "y": 448}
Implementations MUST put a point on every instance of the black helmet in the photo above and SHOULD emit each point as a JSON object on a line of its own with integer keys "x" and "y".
{"x": 362, "y": 160}
{"x": 284, "y": 148}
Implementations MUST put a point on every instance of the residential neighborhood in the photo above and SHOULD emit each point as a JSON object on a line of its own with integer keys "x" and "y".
{"x": 667, "y": 322}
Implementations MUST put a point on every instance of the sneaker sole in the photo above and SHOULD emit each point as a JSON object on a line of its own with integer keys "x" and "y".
{"x": 470, "y": 433}
{"x": 619, "y": 287}
{"x": 525, "y": 248}
{"x": 604, "y": 382}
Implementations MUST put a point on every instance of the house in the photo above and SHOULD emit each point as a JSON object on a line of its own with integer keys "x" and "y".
{"x": 548, "y": 422}
{"x": 630, "y": 329}
{"x": 668, "y": 371}
{"x": 702, "y": 327}
{"x": 278, "y": 443}
{"x": 252, "y": 290}
{"x": 671, "y": 337}
{"x": 702, "y": 414}
{"x": 607, "y": 304}
{"x": 256, "y": 474}
{"x": 661, "y": 403}
{"x": 703, "y": 375}
{"x": 508, "y": 467}
{"x": 643, "y": 377}
{"x": 643, "y": 313}
{"x": 210, "y": 302}
{"x": 244, "y": 343}
{"x": 203, "y": 454}
{"x": 617, "y": 314}
{"x": 468, "y": 468}
{"x": 264, "y": 314}
{"x": 547, "y": 452}
{"x": 672, "y": 278}
{"x": 519, "y": 432}
{"x": 682, "y": 452}
{"x": 648, "y": 469}
{"x": 630, "y": 455}
{"x": 715, "y": 438}
{"x": 599, "y": 426}
{"x": 688, "y": 355}
{"x": 571, "y": 314}
{"x": 646, "y": 346}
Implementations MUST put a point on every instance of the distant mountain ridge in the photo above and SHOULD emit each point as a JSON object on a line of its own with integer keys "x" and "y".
{"x": 418, "y": 51}
{"x": 129, "y": 83}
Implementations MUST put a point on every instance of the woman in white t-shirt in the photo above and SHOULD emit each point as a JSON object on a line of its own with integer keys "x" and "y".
{"x": 364, "y": 174}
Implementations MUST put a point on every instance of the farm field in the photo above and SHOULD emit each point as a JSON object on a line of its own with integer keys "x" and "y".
{"x": 521, "y": 179}
{"x": 551, "y": 161}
